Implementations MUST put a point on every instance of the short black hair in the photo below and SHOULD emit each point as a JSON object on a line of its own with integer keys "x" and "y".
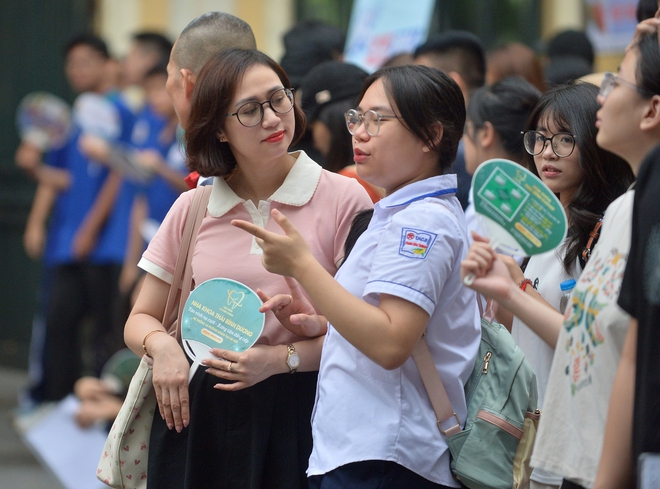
{"x": 571, "y": 43}
{"x": 506, "y": 104}
{"x": 308, "y": 44}
{"x": 463, "y": 50}
{"x": 646, "y": 9}
{"x": 562, "y": 70}
{"x": 87, "y": 39}
{"x": 156, "y": 42}
{"x": 425, "y": 97}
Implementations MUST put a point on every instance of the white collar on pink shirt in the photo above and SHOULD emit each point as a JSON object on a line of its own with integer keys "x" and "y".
{"x": 298, "y": 187}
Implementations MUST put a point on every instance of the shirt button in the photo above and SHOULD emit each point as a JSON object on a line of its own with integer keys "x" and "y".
{"x": 263, "y": 207}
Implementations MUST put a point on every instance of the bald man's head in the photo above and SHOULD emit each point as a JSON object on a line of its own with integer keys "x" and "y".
{"x": 207, "y": 35}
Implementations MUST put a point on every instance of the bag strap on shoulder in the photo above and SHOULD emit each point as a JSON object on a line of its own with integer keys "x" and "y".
{"x": 435, "y": 388}
{"x": 183, "y": 271}
{"x": 593, "y": 236}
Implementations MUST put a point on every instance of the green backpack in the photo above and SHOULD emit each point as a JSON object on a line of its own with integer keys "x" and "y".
{"x": 494, "y": 448}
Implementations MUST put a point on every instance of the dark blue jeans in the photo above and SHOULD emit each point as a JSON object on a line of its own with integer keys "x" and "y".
{"x": 372, "y": 474}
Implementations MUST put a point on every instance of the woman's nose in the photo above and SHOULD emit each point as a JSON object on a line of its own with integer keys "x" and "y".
{"x": 548, "y": 153}
{"x": 361, "y": 132}
{"x": 270, "y": 117}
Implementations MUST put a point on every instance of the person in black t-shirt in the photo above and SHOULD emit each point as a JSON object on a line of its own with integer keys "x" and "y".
{"x": 640, "y": 296}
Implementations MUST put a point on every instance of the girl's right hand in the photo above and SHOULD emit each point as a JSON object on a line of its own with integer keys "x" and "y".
{"x": 492, "y": 275}
{"x": 294, "y": 311}
{"x": 170, "y": 379}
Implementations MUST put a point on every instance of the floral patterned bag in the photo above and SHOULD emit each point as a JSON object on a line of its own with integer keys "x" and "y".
{"x": 123, "y": 463}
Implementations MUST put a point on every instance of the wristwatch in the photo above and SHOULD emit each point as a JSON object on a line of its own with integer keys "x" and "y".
{"x": 292, "y": 358}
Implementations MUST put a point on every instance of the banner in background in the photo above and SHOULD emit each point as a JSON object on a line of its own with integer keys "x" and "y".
{"x": 380, "y": 29}
{"x": 611, "y": 24}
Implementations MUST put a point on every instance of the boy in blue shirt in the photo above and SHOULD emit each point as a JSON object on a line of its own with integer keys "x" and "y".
{"x": 84, "y": 244}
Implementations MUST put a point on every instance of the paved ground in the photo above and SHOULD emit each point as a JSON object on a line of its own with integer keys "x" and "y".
{"x": 18, "y": 467}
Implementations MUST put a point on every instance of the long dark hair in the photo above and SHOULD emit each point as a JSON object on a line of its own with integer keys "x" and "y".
{"x": 211, "y": 98}
{"x": 573, "y": 109}
{"x": 424, "y": 97}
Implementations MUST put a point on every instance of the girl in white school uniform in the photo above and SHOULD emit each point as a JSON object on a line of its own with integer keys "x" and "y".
{"x": 373, "y": 425}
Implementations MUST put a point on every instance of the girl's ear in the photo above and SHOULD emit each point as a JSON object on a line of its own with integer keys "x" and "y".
{"x": 437, "y": 128}
{"x": 221, "y": 137}
{"x": 486, "y": 135}
{"x": 651, "y": 117}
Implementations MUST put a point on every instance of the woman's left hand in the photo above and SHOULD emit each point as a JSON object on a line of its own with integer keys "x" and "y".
{"x": 284, "y": 255}
{"x": 247, "y": 368}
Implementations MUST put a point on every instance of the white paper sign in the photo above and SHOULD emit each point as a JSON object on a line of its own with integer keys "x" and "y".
{"x": 69, "y": 451}
{"x": 380, "y": 29}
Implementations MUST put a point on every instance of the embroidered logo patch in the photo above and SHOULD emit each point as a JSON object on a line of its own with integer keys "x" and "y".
{"x": 416, "y": 243}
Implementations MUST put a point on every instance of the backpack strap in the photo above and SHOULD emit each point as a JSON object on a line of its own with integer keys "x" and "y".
{"x": 593, "y": 237}
{"x": 435, "y": 388}
{"x": 183, "y": 271}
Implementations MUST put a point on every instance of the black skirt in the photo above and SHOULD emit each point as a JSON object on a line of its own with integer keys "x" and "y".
{"x": 256, "y": 438}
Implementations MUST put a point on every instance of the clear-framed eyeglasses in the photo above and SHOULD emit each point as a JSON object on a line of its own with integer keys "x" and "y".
{"x": 252, "y": 113}
{"x": 562, "y": 143}
{"x": 370, "y": 118}
{"x": 610, "y": 81}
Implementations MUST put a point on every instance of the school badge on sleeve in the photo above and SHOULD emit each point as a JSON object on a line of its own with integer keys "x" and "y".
{"x": 416, "y": 243}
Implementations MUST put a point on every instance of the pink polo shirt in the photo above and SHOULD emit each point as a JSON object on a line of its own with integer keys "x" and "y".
{"x": 320, "y": 204}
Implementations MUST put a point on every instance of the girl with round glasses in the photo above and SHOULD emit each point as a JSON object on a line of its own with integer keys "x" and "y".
{"x": 561, "y": 149}
{"x": 244, "y": 420}
{"x": 373, "y": 424}
{"x": 592, "y": 333}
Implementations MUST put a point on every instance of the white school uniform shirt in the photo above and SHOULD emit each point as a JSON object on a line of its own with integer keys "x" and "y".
{"x": 546, "y": 271}
{"x": 412, "y": 249}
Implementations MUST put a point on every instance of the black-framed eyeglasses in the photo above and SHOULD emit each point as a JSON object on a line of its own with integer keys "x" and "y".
{"x": 370, "y": 118}
{"x": 610, "y": 81}
{"x": 252, "y": 113}
{"x": 562, "y": 143}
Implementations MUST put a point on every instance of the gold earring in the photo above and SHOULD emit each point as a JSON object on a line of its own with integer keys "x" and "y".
{"x": 222, "y": 140}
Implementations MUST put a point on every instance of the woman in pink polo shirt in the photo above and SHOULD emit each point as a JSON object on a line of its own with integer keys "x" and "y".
{"x": 244, "y": 421}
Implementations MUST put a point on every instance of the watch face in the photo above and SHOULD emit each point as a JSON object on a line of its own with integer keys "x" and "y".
{"x": 293, "y": 361}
